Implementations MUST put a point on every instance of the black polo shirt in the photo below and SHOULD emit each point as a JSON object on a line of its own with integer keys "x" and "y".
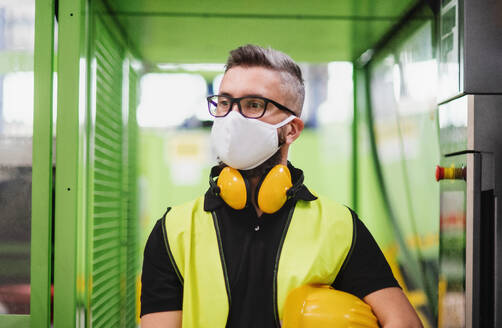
{"x": 250, "y": 245}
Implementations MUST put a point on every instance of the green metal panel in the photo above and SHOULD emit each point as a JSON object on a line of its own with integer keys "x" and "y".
{"x": 355, "y": 141}
{"x": 15, "y": 320}
{"x": 204, "y": 31}
{"x": 95, "y": 267}
{"x": 109, "y": 192}
{"x": 132, "y": 209}
{"x": 70, "y": 157}
{"x": 41, "y": 215}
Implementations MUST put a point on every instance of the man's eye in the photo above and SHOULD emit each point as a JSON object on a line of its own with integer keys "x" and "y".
{"x": 255, "y": 104}
{"x": 223, "y": 103}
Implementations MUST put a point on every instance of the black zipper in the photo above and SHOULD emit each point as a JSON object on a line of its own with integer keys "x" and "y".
{"x": 168, "y": 249}
{"x": 276, "y": 265}
{"x": 222, "y": 257}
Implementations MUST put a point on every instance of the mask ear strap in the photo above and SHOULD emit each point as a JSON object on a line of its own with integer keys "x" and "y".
{"x": 285, "y": 121}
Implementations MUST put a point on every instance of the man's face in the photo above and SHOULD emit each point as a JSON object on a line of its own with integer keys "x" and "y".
{"x": 256, "y": 81}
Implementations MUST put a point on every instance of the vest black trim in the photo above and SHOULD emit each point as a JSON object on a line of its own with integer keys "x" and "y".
{"x": 223, "y": 263}
{"x": 276, "y": 265}
{"x": 354, "y": 236}
{"x": 168, "y": 249}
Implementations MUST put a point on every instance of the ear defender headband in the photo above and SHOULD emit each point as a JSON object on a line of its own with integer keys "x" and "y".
{"x": 272, "y": 191}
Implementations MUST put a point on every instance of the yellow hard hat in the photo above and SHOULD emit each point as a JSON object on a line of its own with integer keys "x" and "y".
{"x": 321, "y": 306}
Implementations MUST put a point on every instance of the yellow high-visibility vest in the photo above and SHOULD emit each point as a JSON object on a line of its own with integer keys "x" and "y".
{"x": 313, "y": 247}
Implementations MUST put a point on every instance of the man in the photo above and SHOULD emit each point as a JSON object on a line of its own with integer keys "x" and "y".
{"x": 231, "y": 258}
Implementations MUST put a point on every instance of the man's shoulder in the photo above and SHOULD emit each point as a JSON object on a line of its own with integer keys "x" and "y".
{"x": 185, "y": 212}
{"x": 335, "y": 218}
{"x": 327, "y": 204}
{"x": 193, "y": 203}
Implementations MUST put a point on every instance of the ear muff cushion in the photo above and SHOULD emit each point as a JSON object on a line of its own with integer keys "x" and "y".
{"x": 233, "y": 189}
{"x": 272, "y": 191}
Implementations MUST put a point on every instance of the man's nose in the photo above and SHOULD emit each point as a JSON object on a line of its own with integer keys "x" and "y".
{"x": 235, "y": 106}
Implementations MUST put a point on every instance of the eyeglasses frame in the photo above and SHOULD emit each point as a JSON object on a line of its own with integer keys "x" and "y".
{"x": 238, "y": 102}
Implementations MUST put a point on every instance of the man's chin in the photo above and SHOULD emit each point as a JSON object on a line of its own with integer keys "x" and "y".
{"x": 263, "y": 168}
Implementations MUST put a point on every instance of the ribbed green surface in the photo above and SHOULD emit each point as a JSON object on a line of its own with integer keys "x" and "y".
{"x": 132, "y": 209}
{"x": 109, "y": 192}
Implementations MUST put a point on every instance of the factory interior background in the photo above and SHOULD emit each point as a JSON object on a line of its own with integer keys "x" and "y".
{"x": 104, "y": 124}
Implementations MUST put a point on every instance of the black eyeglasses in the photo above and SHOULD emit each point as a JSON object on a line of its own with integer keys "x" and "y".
{"x": 249, "y": 106}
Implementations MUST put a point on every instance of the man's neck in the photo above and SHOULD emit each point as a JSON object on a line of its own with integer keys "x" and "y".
{"x": 253, "y": 182}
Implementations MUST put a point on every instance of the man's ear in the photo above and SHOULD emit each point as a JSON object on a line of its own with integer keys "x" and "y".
{"x": 294, "y": 128}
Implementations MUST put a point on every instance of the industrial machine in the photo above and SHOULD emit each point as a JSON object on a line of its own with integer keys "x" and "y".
{"x": 470, "y": 170}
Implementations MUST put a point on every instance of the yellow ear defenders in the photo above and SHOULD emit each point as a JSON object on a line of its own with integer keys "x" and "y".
{"x": 233, "y": 188}
{"x": 272, "y": 191}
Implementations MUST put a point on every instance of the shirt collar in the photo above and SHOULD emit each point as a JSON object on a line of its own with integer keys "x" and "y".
{"x": 212, "y": 201}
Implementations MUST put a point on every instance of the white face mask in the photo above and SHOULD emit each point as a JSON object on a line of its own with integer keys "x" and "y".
{"x": 244, "y": 143}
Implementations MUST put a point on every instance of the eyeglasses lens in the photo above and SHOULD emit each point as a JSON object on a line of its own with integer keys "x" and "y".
{"x": 219, "y": 105}
{"x": 251, "y": 107}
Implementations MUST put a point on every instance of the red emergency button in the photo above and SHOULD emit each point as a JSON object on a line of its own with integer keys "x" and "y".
{"x": 439, "y": 173}
{"x": 450, "y": 173}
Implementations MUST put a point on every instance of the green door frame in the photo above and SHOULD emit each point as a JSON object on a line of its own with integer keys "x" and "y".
{"x": 71, "y": 128}
{"x": 41, "y": 217}
{"x": 41, "y": 210}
